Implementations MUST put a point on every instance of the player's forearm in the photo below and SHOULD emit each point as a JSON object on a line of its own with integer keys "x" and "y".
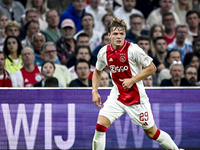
{"x": 145, "y": 73}
{"x": 95, "y": 80}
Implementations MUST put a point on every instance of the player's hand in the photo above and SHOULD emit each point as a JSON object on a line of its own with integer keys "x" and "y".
{"x": 127, "y": 83}
{"x": 96, "y": 98}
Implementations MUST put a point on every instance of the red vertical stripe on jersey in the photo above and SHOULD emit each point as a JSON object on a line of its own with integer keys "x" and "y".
{"x": 117, "y": 61}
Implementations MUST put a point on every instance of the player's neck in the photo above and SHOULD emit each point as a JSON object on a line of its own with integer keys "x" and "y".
{"x": 116, "y": 47}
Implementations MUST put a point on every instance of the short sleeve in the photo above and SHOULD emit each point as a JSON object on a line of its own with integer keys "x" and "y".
{"x": 19, "y": 78}
{"x": 101, "y": 59}
{"x": 139, "y": 55}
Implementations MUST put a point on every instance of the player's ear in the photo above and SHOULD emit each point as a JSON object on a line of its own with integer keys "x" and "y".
{"x": 109, "y": 34}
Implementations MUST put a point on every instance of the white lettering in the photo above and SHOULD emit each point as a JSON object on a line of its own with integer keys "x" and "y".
{"x": 48, "y": 126}
{"x": 115, "y": 69}
{"x": 21, "y": 118}
{"x": 178, "y": 123}
{"x": 71, "y": 130}
{"x": 138, "y": 133}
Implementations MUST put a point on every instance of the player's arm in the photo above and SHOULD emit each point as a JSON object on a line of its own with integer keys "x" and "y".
{"x": 95, "y": 84}
{"x": 128, "y": 83}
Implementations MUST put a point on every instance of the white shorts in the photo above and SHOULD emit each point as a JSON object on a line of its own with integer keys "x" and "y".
{"x": 140, "y": 114}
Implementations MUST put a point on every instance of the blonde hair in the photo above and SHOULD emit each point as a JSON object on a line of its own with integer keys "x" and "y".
{"x": 11, "y": 24}
{"x": 116, "y": 22}
{"x": 177, "y": 9}
{"x": 43, "y": 8}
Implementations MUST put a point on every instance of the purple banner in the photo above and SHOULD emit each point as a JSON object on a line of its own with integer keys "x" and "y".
{"x": 66, "y": 119}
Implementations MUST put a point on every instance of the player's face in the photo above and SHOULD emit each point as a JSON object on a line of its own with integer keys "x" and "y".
{"x": 117, "y": 36}
{"x": 48, "y": 70}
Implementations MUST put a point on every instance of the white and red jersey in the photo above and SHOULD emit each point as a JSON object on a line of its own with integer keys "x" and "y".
{"x": 27, "y": 79}
{"x": 125, "y": 62}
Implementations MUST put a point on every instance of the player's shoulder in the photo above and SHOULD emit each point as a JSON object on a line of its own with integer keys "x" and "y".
{"x": 103, "y": 50}
{"x": 134, "y": 47}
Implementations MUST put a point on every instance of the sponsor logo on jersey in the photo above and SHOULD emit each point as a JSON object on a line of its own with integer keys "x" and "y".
{"x": 115, "y": 69}
{"x": 110, "y": 59}
{"x": 122, "y": 59}
{"x": 26, "y": 80}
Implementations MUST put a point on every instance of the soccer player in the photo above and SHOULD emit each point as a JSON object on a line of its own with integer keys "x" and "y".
{"x": 125, "y": 61}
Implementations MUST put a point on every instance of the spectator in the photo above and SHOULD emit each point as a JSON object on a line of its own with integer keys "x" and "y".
{"x": 173, "y": 55}
{"x": 12, "y": 49}
{"x": 41, "y": 7}
{"x": 126, "y": 10}
{"x": 82, "y": 39}
{"x": 52, "y": 32}
{"x": 192, "y": 59}
{"x": 104, "y": 81}
{"x": 193, "y": 20}
{"x": 75, "y": 12}
{"x": 87, "y": 22}
{"x": 161, "y": 52}
{"x": 15, "y": 10}
{"x": 155, "y": 31}
{"x": 195, "y": 5}
{"x": 61, "y": 72}
{"x": 196, "y": 47}
{"x": 47, "y": 70}
{"x": 51, "y": 82}
{"x": 148, "y": 81}
{"x": 147, "y": 6}
{"x": 144, "y": 43}
{"x": 169, "y": 26}
{"x": 136, "y": 24}
{"x": 104, "y": 41}
{"x": 59, "y": 7}
{"x": 155, "y": 17}
{"x": 180, "y": 42}
{"x": 82, "y": 52}
{"x": 7, "y": 79}
{"x": 66, "y": 44}
{"x": 97, "y": 12}
{"x": 30, "y": 73}
{"x": 181, "y": 7}
{"x": 106, "y": 19}
{"x": 191, "y": 74}
{"x": 30, "y": 15}
{"x": 3, "y": 21}
{"x": 82, "y": 68}
{"x": 12, "y": 28}
{"x": 31, "y": 28}
{"x": 176, "y": 71}
{"x": 38, "y": 40}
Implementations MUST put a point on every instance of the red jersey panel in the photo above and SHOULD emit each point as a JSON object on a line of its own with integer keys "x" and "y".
{"x": 118, "y": 63}
{"x": 31, "y": 78}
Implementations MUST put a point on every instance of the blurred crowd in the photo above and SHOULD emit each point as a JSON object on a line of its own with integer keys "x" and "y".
{"x": 48, "y": 43}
